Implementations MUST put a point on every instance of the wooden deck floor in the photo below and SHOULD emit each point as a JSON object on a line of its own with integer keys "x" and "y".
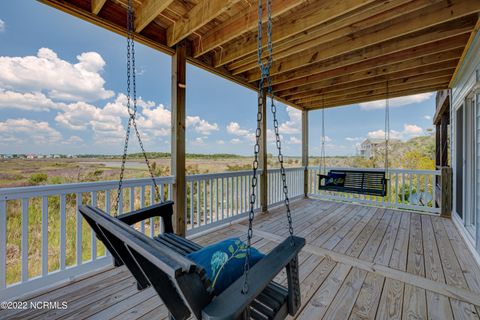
{"x": 359, "y": 263}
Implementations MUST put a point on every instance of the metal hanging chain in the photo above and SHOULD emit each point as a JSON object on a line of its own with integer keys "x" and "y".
{"x": 265, "y": 75}
{"x": 132, "y": 111}
{"x": 323, "y": 164}
{"x": 387, "y": 128}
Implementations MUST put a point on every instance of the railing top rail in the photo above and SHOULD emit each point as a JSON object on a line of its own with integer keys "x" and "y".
{"x": 55, "y": 189}
{"x": 204, "y": 176}
{"x": 394, "y": 170}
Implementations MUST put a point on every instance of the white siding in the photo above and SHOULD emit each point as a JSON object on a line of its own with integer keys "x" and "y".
{"x": 465, "y": 83}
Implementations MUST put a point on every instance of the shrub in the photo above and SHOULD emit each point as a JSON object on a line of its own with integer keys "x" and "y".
{"x": 38, "y": 178}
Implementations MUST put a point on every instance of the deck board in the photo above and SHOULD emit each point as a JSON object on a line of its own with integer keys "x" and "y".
{"x": 336, "y": 280}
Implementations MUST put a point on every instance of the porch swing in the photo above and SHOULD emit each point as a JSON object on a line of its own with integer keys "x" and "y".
{"x": 175, "y": 266}
{"x": 365, "y": 182}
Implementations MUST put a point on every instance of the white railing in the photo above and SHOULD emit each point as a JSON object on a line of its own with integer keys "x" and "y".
{"x": 43, "y": 238}
{"x": 406, "y": 189}
{"x": 216, "y": 199}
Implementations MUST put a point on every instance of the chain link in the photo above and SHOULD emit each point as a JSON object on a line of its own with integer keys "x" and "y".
{"x": 265, "y": 75}
{"x": 132, "y": 112}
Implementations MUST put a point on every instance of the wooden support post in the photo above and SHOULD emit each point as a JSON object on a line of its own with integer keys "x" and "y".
{"x": 262, "y": 107}
{"x": 305, "y": 151}
{"x": 438, "y": 145}
{"x": 446, "y": 193}
{"x": 444, "y": 140}
{"x": 178, "y": 137}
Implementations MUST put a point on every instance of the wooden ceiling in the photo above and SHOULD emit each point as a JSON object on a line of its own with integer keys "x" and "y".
{"x": 326, "y": 52}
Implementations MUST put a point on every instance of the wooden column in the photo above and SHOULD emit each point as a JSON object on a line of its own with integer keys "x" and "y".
{"x": 438, "y": 145}
{"x": 305, "y": 151}
{"x": 444, "y": 140}
{"x": 446, "y": 192}
{"x": 262, "y": 107}
{"x": 178, "y": 137}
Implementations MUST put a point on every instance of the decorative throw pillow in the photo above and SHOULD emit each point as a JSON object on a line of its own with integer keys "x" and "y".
{"x": 224, "y": 261}
{"x": 335, "y": 179}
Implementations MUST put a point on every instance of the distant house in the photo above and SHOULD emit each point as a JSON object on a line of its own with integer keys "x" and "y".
{"x": 370, "y": 146}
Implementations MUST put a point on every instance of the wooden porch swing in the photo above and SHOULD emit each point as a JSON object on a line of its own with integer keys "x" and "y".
{"x": 163, "y": 262}
{"x": 366, "y": 182}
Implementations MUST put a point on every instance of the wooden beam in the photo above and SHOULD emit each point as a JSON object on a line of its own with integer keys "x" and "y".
{"x": 381, "y": 54}
{"x": 321, "y": 13}
{"x": 400, "y": 70}
{"x": 305, "y": 151}
{"x": 394, "y": 86}
{"x": 414, "y": 76}
{"x": 322, "y": 35}
{"x": 390, "y": 30}
{"x": 432, "y": 53}
{"x": 344, "y": 101}
{"x": 235, "y": 27}
{"x": 97, "y": 5}
{"x": 148, "y": 11}
{"x": 263, "y": 163}
{"x": 179, "y": 68}
{"x": 475, "y": 30}
{"x": 204, "y": 12}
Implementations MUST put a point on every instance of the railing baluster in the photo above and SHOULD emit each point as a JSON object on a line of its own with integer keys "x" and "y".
{"x": 3, "y": 244}
{"x": 211, "y": 200}
{"x": 236, "y": 195}
{"x": 222, "y": 203}
{"x": 93, "y": 238}
{"x": 63, "y": 231}
{"x": 24, "y": 239}
{"x": 44, "y": 236}
{"x": 199, "y": 216}
{"x": 205, "y": 202}
{"x": 132, "y": 198}
{"x": 192, "y": 220}
{"x": 228, "y": 196}
{"x": 142, "y": 205}
{"x": 78, "y": 242}
{"x": 216, "y": 198}
{"x": 410, "y": 189}
{"x": 152, "y": 201}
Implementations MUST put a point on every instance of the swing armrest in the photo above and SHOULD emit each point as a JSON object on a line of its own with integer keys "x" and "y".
{"x": 164, "y": 210}
{"x": 231, "y": 303}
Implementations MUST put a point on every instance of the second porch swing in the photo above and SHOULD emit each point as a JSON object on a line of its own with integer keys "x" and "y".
{"x": 366, "y": 182}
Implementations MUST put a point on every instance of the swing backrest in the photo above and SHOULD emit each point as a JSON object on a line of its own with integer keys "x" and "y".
{"x": 361, "y": 182}
{"x": 181, "y": 284}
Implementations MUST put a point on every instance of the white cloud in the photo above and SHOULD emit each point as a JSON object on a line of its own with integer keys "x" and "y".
{"x": 409, "y": 131}
{"x": 35, "y": 101}
{"x": 235, "y": 129}
{"x": 235, "y": 141}
{"x": 60, "y": 79}
{"x": 427, "y": 117}
{"x": 199, "y": 141}
{"x": 2, "y": 25}
{"x": 413, "y": 130}
{"x": 294, "y": 140}
{"x": 220, "y": 142}
{"x": 25, "y": 131}
{"x": 201, "y": 126}
{"x": 73, "y": 140}
{"x": 354, "y": 139}
{"x": 396, "y": 102}
{"x": 293, "y": 125}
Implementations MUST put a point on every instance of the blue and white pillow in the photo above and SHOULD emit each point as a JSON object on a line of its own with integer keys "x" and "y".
{"x": 224, "y": 261}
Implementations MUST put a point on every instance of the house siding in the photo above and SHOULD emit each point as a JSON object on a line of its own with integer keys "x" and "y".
{"x": 466, "y": 84}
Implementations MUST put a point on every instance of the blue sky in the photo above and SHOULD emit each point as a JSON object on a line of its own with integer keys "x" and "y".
{"x": 61, "y": 91}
